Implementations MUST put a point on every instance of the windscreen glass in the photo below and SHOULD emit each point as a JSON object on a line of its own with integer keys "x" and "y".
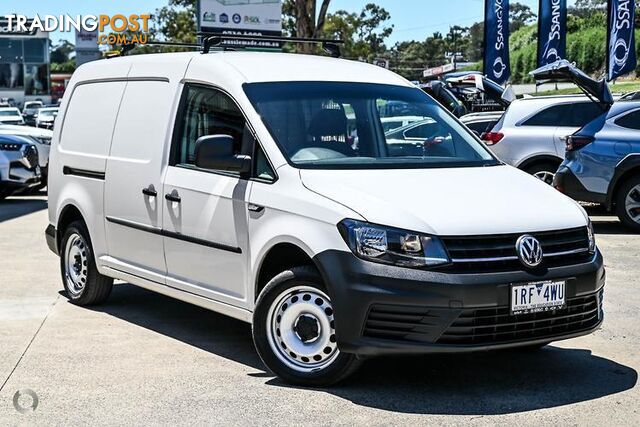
{"x": 361, "y": 125}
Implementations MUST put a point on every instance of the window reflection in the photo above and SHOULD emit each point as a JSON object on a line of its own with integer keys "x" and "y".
{"x": 11, "y": 76}
{"x": 36, "y": 79}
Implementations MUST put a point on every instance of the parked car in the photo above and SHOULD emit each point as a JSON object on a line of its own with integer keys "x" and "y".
{"x": 441, "y": 93}
{"x": 19, "y": 170}
{"x": 480, "y": 94}
{"x": 531, "y": 133}
{"x": 603, "y": 162}
{"x": 46, "y": 117}
{"x": 231, "y": 181}
{"x": 30, "y": 111}
{"x": 481, "y": 123}
{"x": 42, "y": 140}
{"x": 10, "y": 116}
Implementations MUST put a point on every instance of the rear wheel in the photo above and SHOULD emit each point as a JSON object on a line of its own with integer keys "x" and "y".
{"x": 294, "y": 330}
{"x": 628, "y": 203}
{"x": 80, "y": 277}
{"x": 545, "y": 172}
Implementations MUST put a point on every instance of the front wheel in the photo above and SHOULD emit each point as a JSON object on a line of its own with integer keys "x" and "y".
{"x": 294, "y": 330}
{"x": 628, "y": 203}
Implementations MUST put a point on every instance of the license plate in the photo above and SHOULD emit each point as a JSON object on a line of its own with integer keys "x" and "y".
{"x": 537, "y": 297}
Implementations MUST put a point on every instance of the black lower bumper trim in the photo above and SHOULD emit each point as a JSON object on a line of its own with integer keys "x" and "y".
{"x": 51, "y": 234}
{"x": 567, "y": 183}
{"x": 385, "y": 309}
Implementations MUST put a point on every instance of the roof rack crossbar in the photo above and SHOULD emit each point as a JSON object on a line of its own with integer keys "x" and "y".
{"x": 210, "y": 40}
{"x": 126, "y": 48}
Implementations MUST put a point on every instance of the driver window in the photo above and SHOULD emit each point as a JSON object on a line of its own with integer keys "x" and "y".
{"x": 207, "y": 111}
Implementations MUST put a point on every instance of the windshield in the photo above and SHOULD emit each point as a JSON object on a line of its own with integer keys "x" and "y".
{"x": 342, "y": 125}
{"x": 47, "y": 113}
{"x": 9, "y": 113}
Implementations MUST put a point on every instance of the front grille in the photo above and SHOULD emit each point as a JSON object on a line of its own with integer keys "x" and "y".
{"x": 483, "y": 254}
{"x": 497, "y": 325}
{"x": 31, "y": 155}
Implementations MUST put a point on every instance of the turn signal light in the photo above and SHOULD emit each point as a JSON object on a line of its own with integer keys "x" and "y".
{"x": 491, "y": 138}
{"x": 576, "y": 142}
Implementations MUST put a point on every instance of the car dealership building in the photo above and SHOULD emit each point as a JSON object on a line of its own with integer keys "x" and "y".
{"x": 24, "y": 64}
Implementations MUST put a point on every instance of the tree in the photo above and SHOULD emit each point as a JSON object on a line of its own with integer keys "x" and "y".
{"x": 176, "y": 22}
{"x": 362, "y": 33}
{"x": 302, "y": 19}
{"x": 521, "y": 15}
{"x": 61, "y": 52}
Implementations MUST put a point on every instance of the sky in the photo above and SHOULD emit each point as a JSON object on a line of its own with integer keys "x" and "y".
{"x": 412, "y": 19}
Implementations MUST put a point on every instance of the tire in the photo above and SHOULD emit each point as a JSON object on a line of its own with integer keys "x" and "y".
{"x": 628, "y": 202}
{"x": 81, "y": 280}
{"x": 543, "y": 171}
{"x": 294, "y": 296}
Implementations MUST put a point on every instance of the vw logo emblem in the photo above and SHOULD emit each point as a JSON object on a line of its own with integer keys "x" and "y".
{"x": 529, "y": 251}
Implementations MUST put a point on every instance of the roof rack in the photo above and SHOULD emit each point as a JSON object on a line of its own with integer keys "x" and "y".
{"x": 209, "y": 40}
{"x": 126, "y": 48}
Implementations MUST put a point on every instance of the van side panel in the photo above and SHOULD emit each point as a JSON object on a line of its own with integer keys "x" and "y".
{"x": 79, "y": 153}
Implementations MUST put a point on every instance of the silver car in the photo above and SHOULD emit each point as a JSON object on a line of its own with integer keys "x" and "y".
{"x": 19, "y": 169}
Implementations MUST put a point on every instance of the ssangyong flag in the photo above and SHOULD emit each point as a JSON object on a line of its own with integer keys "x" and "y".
{"x": 552, "y": 31}
{"x": 496, "y": 40}
{"x": 621, "y": 46}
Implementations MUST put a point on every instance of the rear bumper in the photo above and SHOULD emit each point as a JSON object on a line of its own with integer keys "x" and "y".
{"x": 389, "y": 310}
{"x": 566, "y": 182}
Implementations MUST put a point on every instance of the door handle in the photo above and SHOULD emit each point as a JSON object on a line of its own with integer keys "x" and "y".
{"x": 255, "y": 208}
{"x": 173, "y": 197}
{"x": 149, "y": 191}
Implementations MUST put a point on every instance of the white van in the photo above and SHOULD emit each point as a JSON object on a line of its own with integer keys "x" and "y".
{"x": 230, "y": 180}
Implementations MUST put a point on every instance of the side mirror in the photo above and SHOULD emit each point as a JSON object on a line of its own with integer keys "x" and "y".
{"x": 215, "y": 152}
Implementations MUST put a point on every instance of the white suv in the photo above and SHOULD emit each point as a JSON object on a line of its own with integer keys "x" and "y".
{"x": 530, "y": 135}
{"x": 236, "y": 181}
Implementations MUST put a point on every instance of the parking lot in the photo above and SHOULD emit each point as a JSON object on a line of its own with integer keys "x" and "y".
{"x": 145, "y": 358}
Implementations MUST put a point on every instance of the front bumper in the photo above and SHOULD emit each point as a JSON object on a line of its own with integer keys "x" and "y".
{"x": 567, "y": 183}
{"x": 51, "y": 235}
{"x": 385, "y": 309}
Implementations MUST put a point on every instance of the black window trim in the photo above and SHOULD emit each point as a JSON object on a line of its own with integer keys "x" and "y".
{"x": 545, "y": 108}
{"x": 173, "y": 151}
{"x": 622, "y": 116}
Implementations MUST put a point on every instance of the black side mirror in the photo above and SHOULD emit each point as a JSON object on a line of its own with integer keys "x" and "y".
{"x": 216, "y": 152}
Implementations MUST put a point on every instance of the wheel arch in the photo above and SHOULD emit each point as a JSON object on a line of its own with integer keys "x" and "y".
{"x": 68, "y": 214}
{"x": 539, "y": 159}
{"x": 628, "y": 167}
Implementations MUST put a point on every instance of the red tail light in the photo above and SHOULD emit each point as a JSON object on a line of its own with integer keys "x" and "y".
{"x": 491, "y": 138}
{"x": 576, "y": 142}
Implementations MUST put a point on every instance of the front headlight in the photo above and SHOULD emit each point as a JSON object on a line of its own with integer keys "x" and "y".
{"x": 394, "y": 246}
{"x": 592, "y": 237}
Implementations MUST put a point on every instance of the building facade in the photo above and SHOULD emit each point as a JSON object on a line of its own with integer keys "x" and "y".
{"x": 24, "y": 65}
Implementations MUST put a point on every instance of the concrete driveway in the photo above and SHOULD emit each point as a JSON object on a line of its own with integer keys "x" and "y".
{"x": 146, "y": 359}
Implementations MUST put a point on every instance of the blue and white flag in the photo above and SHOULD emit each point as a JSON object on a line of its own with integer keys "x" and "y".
{"x": 552, "y": 31}
{"x": 621, "y": 45}
{"x": 496, "y": 40}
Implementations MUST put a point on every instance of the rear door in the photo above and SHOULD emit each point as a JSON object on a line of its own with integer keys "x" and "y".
{"x": 133, "y": 192}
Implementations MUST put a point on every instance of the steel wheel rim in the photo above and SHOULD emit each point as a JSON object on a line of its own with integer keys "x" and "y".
{"x": 632, "y": 204}
{"x": 297, "y": 347}
{"x": 76, "y": 263}
{"x": 545, "y": 176}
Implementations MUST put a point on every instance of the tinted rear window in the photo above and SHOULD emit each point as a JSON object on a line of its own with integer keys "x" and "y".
{"x": 630, "y": 121}
{"x": 566, "y": 115}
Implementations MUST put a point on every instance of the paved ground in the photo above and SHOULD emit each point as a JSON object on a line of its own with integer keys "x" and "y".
{"x": 146, "y": 359}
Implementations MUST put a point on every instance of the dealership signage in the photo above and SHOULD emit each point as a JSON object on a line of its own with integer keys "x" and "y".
{"x": 552, "y": 31}
{"x": 238, "y": 17}
{"x": 621, "y": 46}
{"x": 438, "y": 71}
{"x": 496, "y": 40}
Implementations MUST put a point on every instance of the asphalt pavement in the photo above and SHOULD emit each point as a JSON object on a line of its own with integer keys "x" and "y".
{"x": 143, "y": 358}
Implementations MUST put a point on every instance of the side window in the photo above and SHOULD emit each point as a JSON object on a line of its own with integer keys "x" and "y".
{"x": 550, "y": 116}
{"x": 208, "y": 111}
{"x": 263, "y": 170}
{"x": 583, "y": 113}
{"x": 630, "y": 121}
